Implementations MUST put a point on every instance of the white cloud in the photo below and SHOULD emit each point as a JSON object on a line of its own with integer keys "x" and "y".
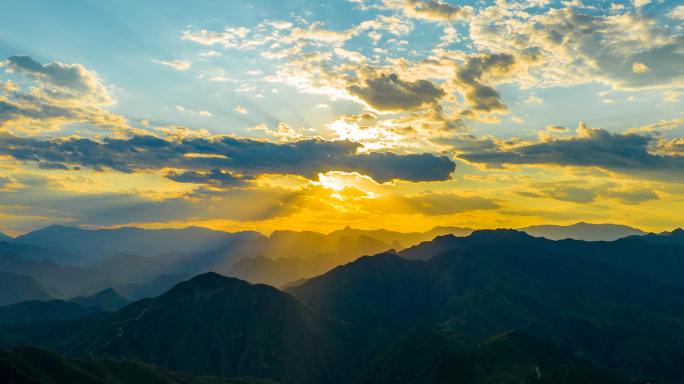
{"x": 240, "y": 109}
{"x": 640, "y": 67}
{"x": 640, "y": 3}
{"x": 677, "y": 12}
{"x": 210, "y": 53}
{"x": 178, "y": 64}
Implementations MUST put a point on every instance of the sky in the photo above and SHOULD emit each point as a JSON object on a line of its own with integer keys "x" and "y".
{"x": 310, "y": 115}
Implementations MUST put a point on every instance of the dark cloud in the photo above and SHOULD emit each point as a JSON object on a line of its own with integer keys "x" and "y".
{"x": 46, "y": 165}
{"x": 245, "y": 156}
{"x": 593, "y": 147}
{"x": 5, "y": 181}
{"x": 469, "y": 77}
{"x": 213, "y": 177}
{"x": 429, "y": 204}
{"x": 414, "y": 168}
{"x": 564, "y": 193}
{"x": 633, "y": 196}
{"x": 71, "y": 77}
{"x": 390, "y": 93}
{"x": 570, "y": 191}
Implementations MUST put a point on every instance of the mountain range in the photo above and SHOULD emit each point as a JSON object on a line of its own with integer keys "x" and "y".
{"x": 492, "y": 306}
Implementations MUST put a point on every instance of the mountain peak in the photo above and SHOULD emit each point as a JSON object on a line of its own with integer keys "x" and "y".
{"x": 205, "y": 282}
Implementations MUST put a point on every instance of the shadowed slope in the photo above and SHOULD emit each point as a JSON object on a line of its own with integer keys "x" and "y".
{"x": 614, "y": 316}
{"x": 39, "y": 366}
{"x": 214, "y": 325}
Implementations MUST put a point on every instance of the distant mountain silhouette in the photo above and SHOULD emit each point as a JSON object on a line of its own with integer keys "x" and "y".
{"x": 583, "y": 231}
{"x": 4, "y": 237}
{"x": 426, "y": 250}
{"x": 131, "y": 268}
{"x": 32, "y": 310}
{"x": 215, "y": 325}
{"x": 107, "y": 299}
{"x": 273, "y": 259}
{"x": 284, "y": 270}
{"x": 17, "y": 288}
{"x": 36, "y": 253}
{"x": 616, "y": 316}
{"x": 98, "y": 244}
{"x": 674, "y": 237}
{"x": 23, "y": 364}
{"x": 69, "y": 280}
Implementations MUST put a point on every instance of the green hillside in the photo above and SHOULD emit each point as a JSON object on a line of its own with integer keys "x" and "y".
{"x": 614, "y": 316}
{"x": 16, "y": 288}
{"x": 32, "y": 310}
{"x": 32, "y": 365}
{"x": 107, "y": 299}
{"x": 213, "y": 325}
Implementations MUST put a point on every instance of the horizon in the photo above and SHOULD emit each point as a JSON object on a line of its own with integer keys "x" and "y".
{"x": 268, "y": 234}
{"x": 396, "y": 114}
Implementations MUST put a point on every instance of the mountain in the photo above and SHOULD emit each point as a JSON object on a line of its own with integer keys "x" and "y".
{"x": 152, "y": 289}
{"x": 662, "y": 261}
{"x": 98, "y": 244}
{"x": 107, "y": 299}
{"x": 23, "y": 364}
{"x": 614, "y": 316}
{"x": 674, "y": 237}
{"x": 4, "y": 237}
{"x": 131, "y": 268}
{"x": 326, "y": 252}
{"x": 32, "y": 310}
{"x": 68, "y": 279}
{"x": 36, "y": 253}
{"x": 214, "y": 325}
{"x": 284, "y": 270}
{"x": 16, "y": 288}
{"x": 422, "y": 353}
{"x": 404, "y": 239}
{"x": 426, "y": 250}
{"x": 583, "y": 231}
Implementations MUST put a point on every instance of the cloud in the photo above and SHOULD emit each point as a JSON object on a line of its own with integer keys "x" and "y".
{"x": 640, "y": 3}
{"x": 284, "y": 132}
{"x": 390, "y": 93}
{"x": 72, "y": 80}
{"x": 430, "y": 10}
{"x": 576, "y": 48}
{"x": 557, "y": 128}
{"x": 677, "y": 12}
{"x": 573, "y": 191}
{"x": 428, "y": 203}
{"x": 8, "y": 86}
{"x": 214, "y": 177}
{"x": 593, "y": 147}
{"x": 632, "y": 196}
{"x": 240, "y": 109}
{"x": 470, "y": 77}
{"x": 65, "y": 94}
{"x": 178, "y": 64}
{"x": 639, "y": 67}
{"x": 227, "y": 39}
{"x": 305, "y": 158}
